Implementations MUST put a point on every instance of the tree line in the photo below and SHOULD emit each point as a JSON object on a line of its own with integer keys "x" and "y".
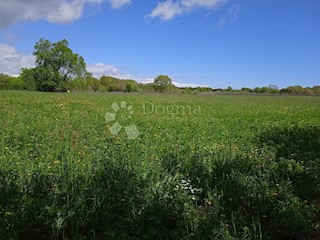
{"x": 59, "y": 69}
{"x": 112, "y": 84}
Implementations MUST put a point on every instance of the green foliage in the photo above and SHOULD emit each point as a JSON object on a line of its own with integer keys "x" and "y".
{"x": 244, "y": 167}
{"x": 56, "y": 65}
{"x": 148, "y": 87}
{"x": 83, "y": 84}
{"x": 298, "y": 90}
{"x": 110, "y": 83}
{"x": 316, "y": 89}
{"x": 10, "y": 83}
{"x": 95, "y": 84}
{"x": 245, "y": 89}
{"x": 162, "y": 83}
{"x": 264, "y": 90}
{"x": 27, "y": 76}
{"x": 115, "y": 84}
{"x": 131, "y": 86}
{"x": 299, "y": 146}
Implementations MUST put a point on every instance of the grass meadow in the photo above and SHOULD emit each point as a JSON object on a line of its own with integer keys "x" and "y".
{"x": 193, "y": 167}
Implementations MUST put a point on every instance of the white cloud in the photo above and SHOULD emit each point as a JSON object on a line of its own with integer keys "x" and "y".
{"x": 115, "y": 4}
{"x": 190, "y": 4}
{"x": 169, "y": 9}
{"x": 166, "y": 10}
{"x": 56, "y": 11}
{"x": 146, "y": 80}
{"x": 11, "y": 61}
{"x": 232, "y": 15}
{"x": 234, "y": 11}
{"x": 67, "y": 12}
{"x": 177, "y": 84}
{"x": 100, "y": 69}
{"x": 192, "y": 85}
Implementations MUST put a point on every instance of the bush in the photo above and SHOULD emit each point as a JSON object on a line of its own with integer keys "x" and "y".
{"x": 10, "y": 83}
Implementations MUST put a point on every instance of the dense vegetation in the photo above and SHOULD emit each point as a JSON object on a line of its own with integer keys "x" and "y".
{"x": 113, "y": 84}
{"x": 203, "y": 167}
{"x": 56, "y": 66}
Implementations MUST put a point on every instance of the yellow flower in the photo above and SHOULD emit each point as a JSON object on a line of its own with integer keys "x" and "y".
{"x": 56, "y": 162}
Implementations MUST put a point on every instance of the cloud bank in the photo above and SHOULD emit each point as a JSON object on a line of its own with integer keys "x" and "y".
{"x": 65, "y": 11}
{"x": 11, "y": 61}
{"x": 55, "y": 11}
{"x": 169, "y": 9}
{"x": 101, "y": 69}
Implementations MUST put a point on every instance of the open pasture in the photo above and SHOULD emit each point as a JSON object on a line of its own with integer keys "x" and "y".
{"x": 173, "y": 167}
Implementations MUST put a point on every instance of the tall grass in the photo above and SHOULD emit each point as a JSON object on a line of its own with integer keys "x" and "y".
{"x": 242, "y": 167}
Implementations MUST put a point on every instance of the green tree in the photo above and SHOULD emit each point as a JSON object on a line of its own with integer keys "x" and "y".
{"x": 95, "y": 84}
{"x": 56, "y": 65}
{"x": 264, "y": 90}
{"x": 110, "y": 83}
{"x": 246, "y": 89}
{"x": 10, "y": 83}
{"x": 162, "y": 83}
{"x": 316, "y": 89}
{"x": 4, "y": 81}
{"x": 27, "y": 76}
{"x": 229, "y": 89}
{"x": 131, "y": 85}
{"x": 257, "y": 90}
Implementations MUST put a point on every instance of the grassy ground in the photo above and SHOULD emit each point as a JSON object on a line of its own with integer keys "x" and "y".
{"x": 188, "y": 167}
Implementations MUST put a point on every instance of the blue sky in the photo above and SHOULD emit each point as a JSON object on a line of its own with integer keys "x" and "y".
{"x": 219, "y": 43}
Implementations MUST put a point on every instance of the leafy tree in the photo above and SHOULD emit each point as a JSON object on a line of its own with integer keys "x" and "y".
{"x": 120, "y": 86}
{"x": 10, "y": 83}
{"x": 56, "y": 65}
{"x": 95, "y": 84}
{"x": 109, "y": 82}
{"x": 229, "y": 89}
{"x": 246, "y": 89}
{"x": 316, "y": 89}
{"x": 257, "y": 90}
{"x": 27, "y": 76}
{"x": 264, "y": 90}
{"x": 162, "y": 83}
{"x": 131, "y": 85}
{"x": 4, "y": 81}
{"x": 273, "y": 88}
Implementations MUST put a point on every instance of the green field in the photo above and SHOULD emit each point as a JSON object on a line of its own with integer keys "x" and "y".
{"x": 201, "y": 167}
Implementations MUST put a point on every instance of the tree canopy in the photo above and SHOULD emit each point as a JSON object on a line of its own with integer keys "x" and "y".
{"x": 162, "y": 83}
{"x": 56, "y": 64}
